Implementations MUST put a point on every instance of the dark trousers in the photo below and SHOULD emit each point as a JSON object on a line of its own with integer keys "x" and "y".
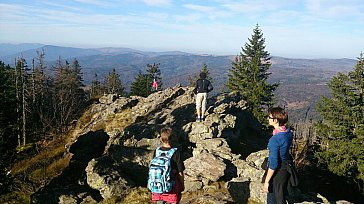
{"x": 278, "y": 186}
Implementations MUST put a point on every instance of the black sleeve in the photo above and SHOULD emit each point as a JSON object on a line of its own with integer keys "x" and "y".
{"x": 195, "y": 89}
{"x": 210, "y": 87}
{"x": 177, "y": 158}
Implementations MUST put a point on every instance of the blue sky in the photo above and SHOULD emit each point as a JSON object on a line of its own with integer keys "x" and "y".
{"x": 291, "y": 28}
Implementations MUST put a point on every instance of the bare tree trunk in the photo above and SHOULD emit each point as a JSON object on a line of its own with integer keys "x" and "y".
{"x": 24, "y": 114}
{"x": 23, "y": 81}
{"x": 17, "y": 102}
{"x": 33, "y": 83}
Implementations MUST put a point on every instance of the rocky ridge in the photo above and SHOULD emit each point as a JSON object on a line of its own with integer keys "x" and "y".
{"x": 113, "y": 142}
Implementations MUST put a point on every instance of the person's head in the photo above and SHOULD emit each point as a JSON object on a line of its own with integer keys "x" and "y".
{"x": 165, "y": 134}
{"x": 203, "y": 75}
{"x": 277, "y": 115}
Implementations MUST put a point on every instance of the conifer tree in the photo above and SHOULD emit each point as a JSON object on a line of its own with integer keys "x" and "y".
{"x": 192, "y": 79}
{"x": 96, "y": 87}
{"x": 153, "y": 72}
{"x": 249, "y": 73}
{"x": 69, "y": 97}
{"x": 341, "y": 130}
{"x": 113, "y": 83}
{"x": 42, "y": 108}
{"x": 8, "y": 116}
{"x": 140, "y": 86}
{"x": 22, "y": 95}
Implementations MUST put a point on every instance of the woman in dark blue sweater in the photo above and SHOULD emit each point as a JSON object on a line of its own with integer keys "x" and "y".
{"x": 275, "y": 183}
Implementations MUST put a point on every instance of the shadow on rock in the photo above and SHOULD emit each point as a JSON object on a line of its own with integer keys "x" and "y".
{"x": 131, "y": 162}
{"x": 72, "y": 181}
{"x": 239, "y": 190}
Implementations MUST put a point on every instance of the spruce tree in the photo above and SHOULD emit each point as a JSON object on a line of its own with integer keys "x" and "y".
{"x": 249, "y": 73}
{"x": 22, "y": 96}
{"x": 192, "y": 79}
{"x": 69, "y": 96}
{"x": 42, "y": 102}
{"x": 153, "y": 72}
{"x": 341, "y": 131}
{"x": 141, "y": 85}
{"x": 113, "y": 83}
{"x": 96, "y": 88}
{"x": 8, "y": 116}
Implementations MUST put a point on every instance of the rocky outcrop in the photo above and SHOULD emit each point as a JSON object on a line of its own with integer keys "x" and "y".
{"x": 222, "y": 155}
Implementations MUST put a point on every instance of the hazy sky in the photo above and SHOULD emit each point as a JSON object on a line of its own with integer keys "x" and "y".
{"x": 291, "y": 28}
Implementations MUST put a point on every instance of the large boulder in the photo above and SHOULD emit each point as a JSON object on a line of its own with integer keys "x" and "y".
{"x": 205, "y": 166}
{"x": 108, "y": 181}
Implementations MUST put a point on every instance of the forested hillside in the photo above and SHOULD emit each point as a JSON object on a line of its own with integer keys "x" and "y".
{"x": 43, "y": 98}
{"x": 302, "y": 81}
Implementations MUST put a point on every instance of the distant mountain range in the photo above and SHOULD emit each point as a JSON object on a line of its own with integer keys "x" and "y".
{"x": 302, "y": 81}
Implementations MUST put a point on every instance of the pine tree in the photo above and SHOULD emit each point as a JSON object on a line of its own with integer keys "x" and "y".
{"x": 8, "y": 115}
{"x": 96, "y": 88}
{"x": 192, "y": 79}
{"x": 42, "y": 101}
{"x": 153, "y": 72}
{"x": 141, "y": 85}
{"x": 249, "y": 73}
{"x": 342, "y": 129}
{"x": 22, "y": 95}
{"x": 113, "y": 83}
{"x": 69, "y": 96}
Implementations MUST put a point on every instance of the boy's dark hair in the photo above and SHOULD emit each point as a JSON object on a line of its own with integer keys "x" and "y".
{"x": 165, "y": 134}
{"x": 280, "y": 114}
{"x": 203, "y": 75}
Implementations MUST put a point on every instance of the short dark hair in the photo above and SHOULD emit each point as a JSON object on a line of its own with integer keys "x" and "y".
{"x": 280, "y": 114}
{"x": 203, "y": 75}
{"x": 165, "y": 134}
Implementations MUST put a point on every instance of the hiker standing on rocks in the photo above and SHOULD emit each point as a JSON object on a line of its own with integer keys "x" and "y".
{"x": 277, "y": 176}
{"x": 203, "y": 86}
{"x": 168, "y": 185}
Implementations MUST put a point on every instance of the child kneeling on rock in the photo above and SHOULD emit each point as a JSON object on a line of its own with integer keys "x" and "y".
{"x": 166, "y": 179}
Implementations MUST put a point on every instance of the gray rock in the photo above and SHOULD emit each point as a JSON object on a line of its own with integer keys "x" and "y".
{"x": 192, "y": 185}
{"x": 106, "y": 180}
{"x": 66, "y": 199}
{"x": 205, "y": 165}
{"x": 257, "y": 158}
{"x": 256, "y": 192}
{"x": 108, "y": 99}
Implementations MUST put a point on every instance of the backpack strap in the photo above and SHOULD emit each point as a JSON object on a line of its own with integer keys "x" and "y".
{"x": 169, "y": 153}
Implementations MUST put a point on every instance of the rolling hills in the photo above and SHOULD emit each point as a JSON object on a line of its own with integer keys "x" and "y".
{"x": 302, "y": 81}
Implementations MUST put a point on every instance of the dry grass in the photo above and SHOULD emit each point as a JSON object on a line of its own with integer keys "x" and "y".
{"x": 119, "y": 121}
{"x": 46, "y": 173}
{"x": 138, "y": 195}
{"x": 45, "y": 157}
{"x": 135, "y": 196}
{"x": 15, "y": 198}
{"x": 37, "y": 170}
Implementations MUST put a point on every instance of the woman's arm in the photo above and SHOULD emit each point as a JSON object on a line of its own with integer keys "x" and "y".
{"x": 267, "y": 179}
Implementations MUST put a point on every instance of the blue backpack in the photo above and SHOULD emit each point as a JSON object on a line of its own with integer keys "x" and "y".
{"x": 159, "y": 180}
